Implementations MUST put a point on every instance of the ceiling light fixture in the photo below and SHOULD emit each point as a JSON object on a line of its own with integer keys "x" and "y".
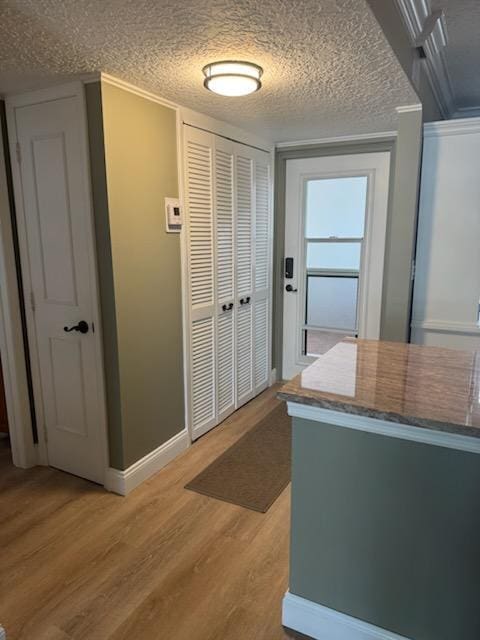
{"x": 232, "y": 78}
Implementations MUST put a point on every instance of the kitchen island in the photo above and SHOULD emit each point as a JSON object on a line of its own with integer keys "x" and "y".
{"x": 385, "y": 532}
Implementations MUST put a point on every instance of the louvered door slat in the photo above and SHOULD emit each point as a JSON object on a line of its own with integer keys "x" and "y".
{"x": 226, "y": 364}
{"x": 262, "y": 231}
{"x": 199, "y": 185}
{"x": 224, "y": 219}
{"x": 262, "y": 337}
{"x": 244, "y": 225}
{"x": 244, "y": 354}
{"x": 203, "y": 379}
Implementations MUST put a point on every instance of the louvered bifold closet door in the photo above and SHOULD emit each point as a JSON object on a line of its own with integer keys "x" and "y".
{"x": 199, "y": 159}
{"x": 244, "y": 273}
{"x": 262, "y": 274}
{"x": 225, "y": 266}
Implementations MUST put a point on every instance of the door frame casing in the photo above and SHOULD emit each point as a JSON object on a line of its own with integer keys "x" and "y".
{"x": 24, "y": 449}
{"x": 344, "y": 145}
{"x": 69, "y": 90}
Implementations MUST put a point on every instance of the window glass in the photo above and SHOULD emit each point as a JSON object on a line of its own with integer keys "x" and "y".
{"x": 334, "y": 255}
{"x": 335, "y": 207}
{"x": 332, "y": 302}
{"x": 318, "y": 342}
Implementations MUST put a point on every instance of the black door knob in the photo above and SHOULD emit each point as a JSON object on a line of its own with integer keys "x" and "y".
{"x": 82, "y": 327}
{"x": 289, "y": 288}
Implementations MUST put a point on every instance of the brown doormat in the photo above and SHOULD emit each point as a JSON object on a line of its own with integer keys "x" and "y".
{"x": 255, "y": 470}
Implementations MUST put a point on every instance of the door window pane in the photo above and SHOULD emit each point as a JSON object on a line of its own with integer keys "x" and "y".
{"x": 336, "y": 207}
{"x": 318, "y": 342}
{"x": 332, "y": 302}
{"x": 334, "y": 255}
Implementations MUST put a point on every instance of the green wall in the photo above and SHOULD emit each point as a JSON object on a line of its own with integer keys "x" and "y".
{"x": 386, "y": 530}
{"x": 134, "y": 167}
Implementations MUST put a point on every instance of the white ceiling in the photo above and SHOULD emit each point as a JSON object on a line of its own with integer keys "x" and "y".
{"x": 328, "y": 68}
{"x": 463, "y": 51}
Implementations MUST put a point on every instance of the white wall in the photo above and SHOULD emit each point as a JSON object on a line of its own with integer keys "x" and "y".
{"x": 447, "y": 283}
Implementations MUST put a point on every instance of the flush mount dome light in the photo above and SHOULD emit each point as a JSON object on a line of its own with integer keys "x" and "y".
{"x": 232, "y": 78}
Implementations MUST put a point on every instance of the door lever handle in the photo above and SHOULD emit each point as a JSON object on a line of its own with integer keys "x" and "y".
{"x": 82, "y": 327}
{"x": 289, "y": 288}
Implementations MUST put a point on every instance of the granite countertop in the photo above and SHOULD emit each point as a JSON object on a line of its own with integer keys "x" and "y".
{"x": 409, "y": 384}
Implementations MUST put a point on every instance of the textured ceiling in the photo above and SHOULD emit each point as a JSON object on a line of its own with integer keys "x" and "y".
{"x": 463, "y": 50}
{"x": 328, "y": 68}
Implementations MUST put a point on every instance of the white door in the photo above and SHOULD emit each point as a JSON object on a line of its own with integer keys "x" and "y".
{"x": 262, "y": 273}
{"x": 336, "y": 217}
{"x": 228, "y": 223}
{"x": 244, "y": 274}
{"x": 199, "y": 152}
{"x": 225, "y": 270}
{"x": 59, "y": 278}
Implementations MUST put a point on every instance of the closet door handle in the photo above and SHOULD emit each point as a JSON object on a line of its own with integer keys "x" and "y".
{"x": 230, "y": 306}
{"x": 245, "y": 300}
{"x": 82, "y": 327}
{"x": 227, "y": 307}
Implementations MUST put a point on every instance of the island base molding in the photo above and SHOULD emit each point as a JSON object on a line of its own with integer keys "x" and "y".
{"x": 322, "y": 623}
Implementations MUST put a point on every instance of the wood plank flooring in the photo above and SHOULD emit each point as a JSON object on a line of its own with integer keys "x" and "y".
{"x": 164, "y": 563}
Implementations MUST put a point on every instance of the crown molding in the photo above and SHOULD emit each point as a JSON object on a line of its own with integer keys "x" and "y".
{"x": 452, "y": 127}
{"x": 426, "y": 27}
{"x": 131, "y": 88}
{"x": 359, "y": 137}
{"x": 467, "y": 112}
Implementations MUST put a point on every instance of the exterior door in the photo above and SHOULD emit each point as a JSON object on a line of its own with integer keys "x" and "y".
{"x": 59, "y": 277}
{"x": 336, "y": 216}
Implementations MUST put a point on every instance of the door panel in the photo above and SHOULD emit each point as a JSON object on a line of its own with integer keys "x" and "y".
{"x": 225, "y": 265}
{"x": 57, "y": 226}
{"x": 226, "y": 364}
{"x": 203, "y": 374}
{"x": 244, "y": 225}
{"x": 262, "y": 344}
{"x": 201, "y": 258}
{"x": 262, "y": 243}
{"x": 244, "y": 273}
{"x": 244, "y": 354}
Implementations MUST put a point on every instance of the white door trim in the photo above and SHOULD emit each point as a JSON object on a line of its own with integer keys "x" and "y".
{"x": 24, "y": 450}
{"x": 72, "y": 90}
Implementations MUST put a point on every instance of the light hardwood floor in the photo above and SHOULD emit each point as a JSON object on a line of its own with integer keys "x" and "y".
{"x": 164, "y": 563}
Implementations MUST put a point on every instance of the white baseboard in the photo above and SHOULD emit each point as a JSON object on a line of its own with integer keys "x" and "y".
{"x": 322, "y": 623}
{"x": 122, "y": 482}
